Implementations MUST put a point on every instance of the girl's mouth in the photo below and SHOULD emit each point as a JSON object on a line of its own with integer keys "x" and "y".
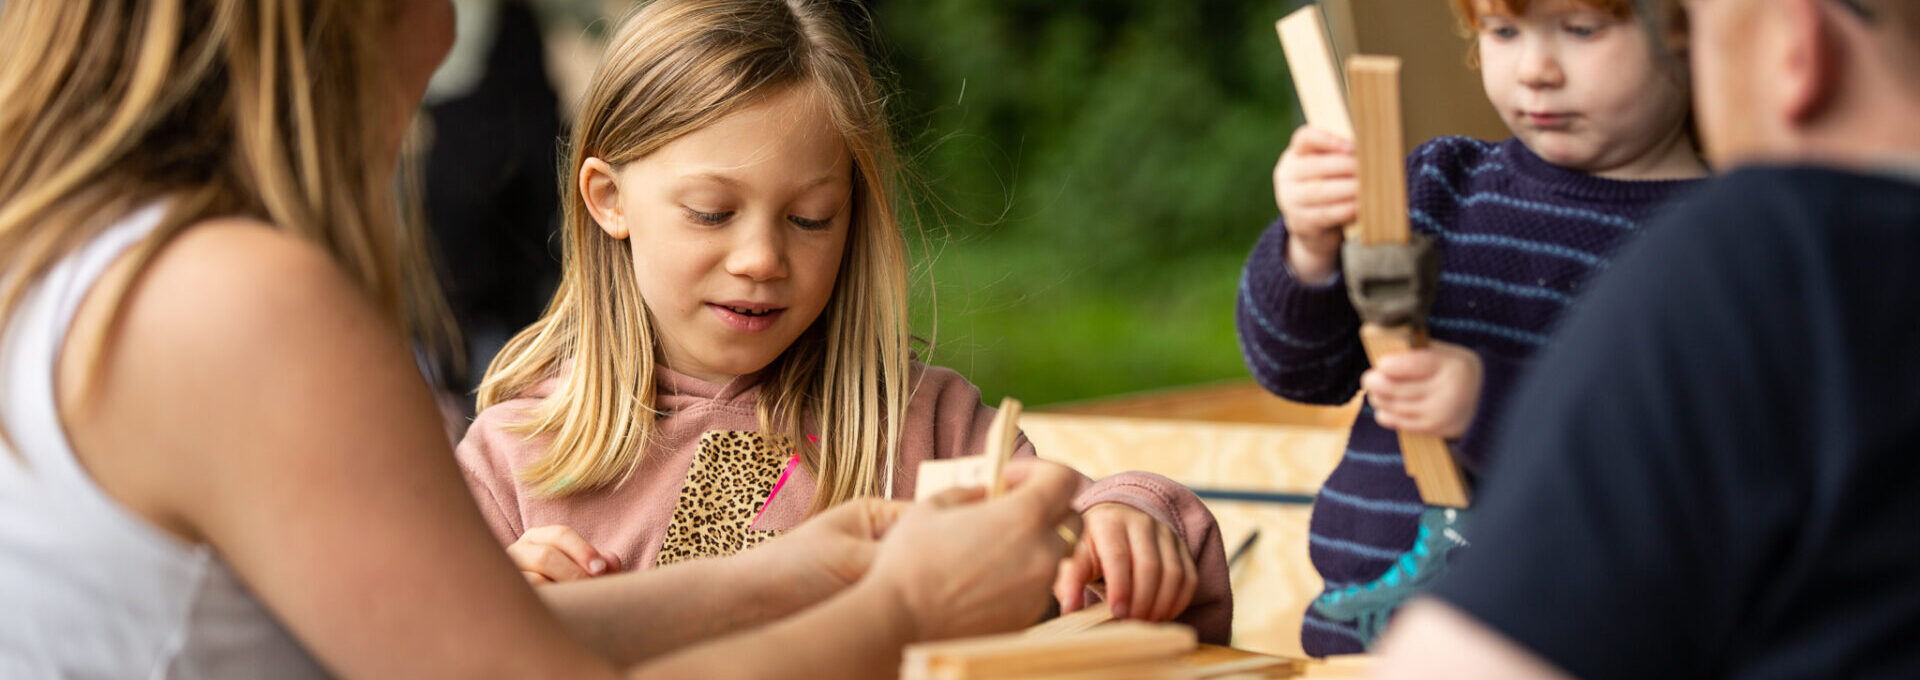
{"x": 746, "y": 311}
{"x": 745, "y": 318}
{"x": 1548, "y": 121}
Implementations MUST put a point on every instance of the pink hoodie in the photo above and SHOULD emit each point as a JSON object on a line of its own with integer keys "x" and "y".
{"x": 702, "y": 488}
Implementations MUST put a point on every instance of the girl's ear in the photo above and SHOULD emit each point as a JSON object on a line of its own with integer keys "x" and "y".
{"x": 600, "y": 189}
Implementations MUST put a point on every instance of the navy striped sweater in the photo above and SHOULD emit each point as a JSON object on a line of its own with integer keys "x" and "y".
{"x": 1518, "y": 238}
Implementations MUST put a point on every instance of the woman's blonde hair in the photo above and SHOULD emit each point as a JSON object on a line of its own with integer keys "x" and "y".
{"x": 277, "y": 110}
{"x": 674, "y": 67}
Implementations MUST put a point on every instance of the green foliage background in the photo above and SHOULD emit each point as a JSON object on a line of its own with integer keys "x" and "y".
{"x": 1093, "y": 175}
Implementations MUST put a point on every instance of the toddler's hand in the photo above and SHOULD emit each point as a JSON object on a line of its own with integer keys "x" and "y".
{"x": 1318, "y": 193}
{"x": 1434, "y": 390}
{"x": 1148, "y": 572}
{"x": 556, "y": 553}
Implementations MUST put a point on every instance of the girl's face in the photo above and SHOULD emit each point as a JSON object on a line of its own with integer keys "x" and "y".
{"x": 737, "y": 231}
{"x": 1581, "y": 88}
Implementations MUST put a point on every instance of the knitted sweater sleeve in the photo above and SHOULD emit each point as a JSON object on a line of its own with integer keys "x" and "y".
{"x": 1300, "y": 341}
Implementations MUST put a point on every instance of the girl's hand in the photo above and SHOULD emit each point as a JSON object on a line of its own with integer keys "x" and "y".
{"x": 1318, "y": 192}
{"x": 1433, "y": 390}
{"x": 1149, "y": 574}
{"x": 556, "y": 553}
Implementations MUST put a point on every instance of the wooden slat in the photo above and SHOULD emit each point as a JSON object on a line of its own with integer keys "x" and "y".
{"x": 1001, "y": 436}
{"x": 1381, "y": 165}
{"x": 1116, "y": 645}
{"x": 1316, "y": 74}
{"x": 1069, "y": 624}
{"x": 1428, "y": 461}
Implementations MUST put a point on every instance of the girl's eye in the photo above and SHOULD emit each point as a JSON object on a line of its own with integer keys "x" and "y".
{"x": 809, "y": 224}
{"x": 1503, "y": 32}
{"x": 708, "y": 218}
{"x": 1583, "y": 30}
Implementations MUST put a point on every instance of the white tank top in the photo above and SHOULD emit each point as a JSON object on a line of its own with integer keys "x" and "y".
{"x": 89, "y": 589}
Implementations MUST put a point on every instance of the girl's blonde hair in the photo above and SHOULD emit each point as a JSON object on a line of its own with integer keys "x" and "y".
{"x": 277, "y": 110}
{"x": 674, "y": 67}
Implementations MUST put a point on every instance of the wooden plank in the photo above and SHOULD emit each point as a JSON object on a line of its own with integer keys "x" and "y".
{"x": 1380, "y": 163}
{"x": 1228, "y": 401}
{"x": 1070, "y": 624}
{"x": 1214, "y": 661}
{"x": 1116, "y": 645}
{"x": 1315, "y": 68}
{"x": 1453, "y": 100}
{"x": 1428, "y": 461}
{"x": 1001, "y": 436}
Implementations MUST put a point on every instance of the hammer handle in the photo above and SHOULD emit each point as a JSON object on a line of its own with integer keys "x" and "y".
{"x": 1427, "y": 458}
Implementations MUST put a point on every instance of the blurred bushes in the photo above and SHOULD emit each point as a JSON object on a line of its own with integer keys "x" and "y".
{"x": 1093, "y": 175}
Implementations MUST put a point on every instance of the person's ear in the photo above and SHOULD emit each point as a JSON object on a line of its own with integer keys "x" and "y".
{"x": 1810, "y": 68}
{"x": 600, "y": 189}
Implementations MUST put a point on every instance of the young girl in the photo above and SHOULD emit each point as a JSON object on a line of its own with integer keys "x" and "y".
{"x": 728, "y": 353}
{"x": 1600, "y": 139}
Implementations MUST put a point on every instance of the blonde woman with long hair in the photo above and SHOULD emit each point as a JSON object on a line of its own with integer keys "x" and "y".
{"x": 217, "y": 459}
{"x": 728, "y": 350}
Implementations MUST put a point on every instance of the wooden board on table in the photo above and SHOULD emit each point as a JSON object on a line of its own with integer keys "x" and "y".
{"x": 1121, "y": 647}
{"x": 1215, "y": 661}
{"x": 1069, "y": 624}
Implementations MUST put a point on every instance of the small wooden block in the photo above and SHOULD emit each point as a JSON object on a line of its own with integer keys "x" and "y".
{"x": 1316, "y": 74}
{"x": 1428, "y": 461}
{"x": 953, "y": 473}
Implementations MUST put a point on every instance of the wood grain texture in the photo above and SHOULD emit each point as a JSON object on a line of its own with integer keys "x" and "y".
{"x": 1228, "y": 401}
{"x": 1001, "y": 436}
{"x": 1374, "y": 85}
{"x": 1116, "y": 647}
{"x": 1314, "y": 65}
{"x": 1068, "y": 624}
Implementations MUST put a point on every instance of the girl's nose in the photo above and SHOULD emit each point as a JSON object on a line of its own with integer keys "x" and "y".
{"x": 759, "y": 252}
{"x": 1540, "y": 66}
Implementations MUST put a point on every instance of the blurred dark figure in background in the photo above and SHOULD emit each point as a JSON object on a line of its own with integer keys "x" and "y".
{"x": 490, "y": 181}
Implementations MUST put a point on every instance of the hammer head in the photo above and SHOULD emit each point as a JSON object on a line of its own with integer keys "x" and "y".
{"x": 1392, "y": 284}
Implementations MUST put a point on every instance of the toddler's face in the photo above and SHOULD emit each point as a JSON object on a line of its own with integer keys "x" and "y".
{"x": 737, "y": 233}
{"x": 1582, "y": 88}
